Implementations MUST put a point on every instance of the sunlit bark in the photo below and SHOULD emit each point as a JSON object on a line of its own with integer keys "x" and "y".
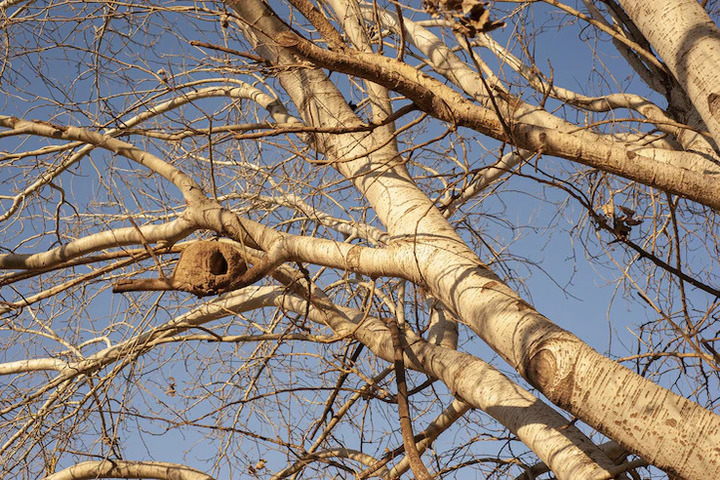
{"x": 561, "y": 366}
{"x": 688, "y": 41}
{"x": 332, "y": 147}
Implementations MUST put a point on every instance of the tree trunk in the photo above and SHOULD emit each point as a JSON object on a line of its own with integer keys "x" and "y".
{"x": 688, "y": 41}
{"x": 662, "y": 427}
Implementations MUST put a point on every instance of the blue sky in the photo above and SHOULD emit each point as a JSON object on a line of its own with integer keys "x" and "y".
{"x": 576, "y": 293}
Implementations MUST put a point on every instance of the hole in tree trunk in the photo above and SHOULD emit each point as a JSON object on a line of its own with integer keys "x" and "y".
{"x": 218, "y": 264}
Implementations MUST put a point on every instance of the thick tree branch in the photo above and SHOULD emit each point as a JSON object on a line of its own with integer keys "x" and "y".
{"x": 447, "y": 365}
{"x": 167, "y": 233}
{"x": 128, "y": 469}
{"x": 320, "y": 22}
{"x": 445, "y": 104}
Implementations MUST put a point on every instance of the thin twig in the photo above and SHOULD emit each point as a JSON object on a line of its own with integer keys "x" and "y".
{"x": 416, "y": 464}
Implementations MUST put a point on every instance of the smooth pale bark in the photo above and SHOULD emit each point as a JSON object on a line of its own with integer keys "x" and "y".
{"x": 442, "y": 328}
{"x": 640, "y": 415}
{"x": 348, "y": 12}
{"x": 168, "y": 233}
{"x": 688, "y": 41}
{"x": 667, "y": 430}
{"x": 128, "y": 469}
{"x": 32, "y": 365}
{"x": 396, "y": 198}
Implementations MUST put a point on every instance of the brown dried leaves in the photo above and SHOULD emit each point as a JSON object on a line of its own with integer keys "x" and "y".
{"x": 470, "y": 16}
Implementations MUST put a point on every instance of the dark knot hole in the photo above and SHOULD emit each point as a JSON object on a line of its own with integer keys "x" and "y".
{"x": 218, "y": 264}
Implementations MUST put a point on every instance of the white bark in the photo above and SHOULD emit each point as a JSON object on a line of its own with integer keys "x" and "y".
{"x": 128, "y": 469}
{"x": 167, "y": 233}
{"x": 565, "y": 369}
{"x": 409, "y": 214}
{"x": 32, "y": 365}
{"x": 445, "y": 62}
{"x": 349, "y": 13}
{"x": 571, "y": 454}
{"x": 688, "y": 41}
{"x": 579, "y": 146}
{"x": 538, "y": 425}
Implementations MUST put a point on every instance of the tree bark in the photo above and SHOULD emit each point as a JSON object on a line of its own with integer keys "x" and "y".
{"x": 688, "y": 41}
{"x": 128, "y": 469}
{"x": 662, "y": 427}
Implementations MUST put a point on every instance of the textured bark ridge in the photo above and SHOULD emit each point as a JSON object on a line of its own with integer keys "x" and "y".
{"x": 553, "y": 374}
{"x": 204, "y": 268}
{"x": 714, "y": 105}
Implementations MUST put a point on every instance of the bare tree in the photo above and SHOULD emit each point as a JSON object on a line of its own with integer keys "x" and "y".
{"x": 260, "y": 239}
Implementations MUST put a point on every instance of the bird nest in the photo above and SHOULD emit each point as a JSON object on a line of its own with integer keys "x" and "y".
{"x": 208, "y": 268}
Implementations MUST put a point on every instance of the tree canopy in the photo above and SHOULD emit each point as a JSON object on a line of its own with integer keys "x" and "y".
{"x": 346, "y": 239}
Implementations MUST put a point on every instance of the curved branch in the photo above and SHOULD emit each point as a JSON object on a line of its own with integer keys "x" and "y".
{"x": 129, "y": 469}
{"x": 687, "y": 136}
{"x": 461, "y": 372}
{"x": 356, "y": 455}
{"x": 244, "y": 91}
{"x": 447, "y": 63}
{"x": 699, "y": 157}
{"x": 168, "y": 233}
{"x": 190, "y": 190}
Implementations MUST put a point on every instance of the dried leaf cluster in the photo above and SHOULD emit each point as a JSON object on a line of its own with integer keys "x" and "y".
{"x": 470, "y": 17}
